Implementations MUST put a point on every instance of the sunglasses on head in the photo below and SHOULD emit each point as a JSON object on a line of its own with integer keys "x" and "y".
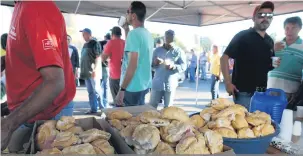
{"x": 263, "y": 15}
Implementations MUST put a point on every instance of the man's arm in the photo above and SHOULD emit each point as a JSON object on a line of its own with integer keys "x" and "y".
{"x": 52, "y": 85}
{"x": 97, "y": 63}
{"x": 225, "y": 68}
{"x": 181, "y": 65}
{"x": 106, "y": 51}
{"x": 130, "y": 71}
{"x": 77, "y": 57}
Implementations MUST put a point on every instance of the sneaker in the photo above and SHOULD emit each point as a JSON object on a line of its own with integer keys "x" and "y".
{"x": 90, "y": 112}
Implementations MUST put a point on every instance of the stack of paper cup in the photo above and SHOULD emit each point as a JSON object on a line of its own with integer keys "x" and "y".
{"x": 286, "y": 125}
{"x": 296, "y": 132}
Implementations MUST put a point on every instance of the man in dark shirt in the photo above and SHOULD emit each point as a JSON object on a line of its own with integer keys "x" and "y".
{"x": 251, "y": 50}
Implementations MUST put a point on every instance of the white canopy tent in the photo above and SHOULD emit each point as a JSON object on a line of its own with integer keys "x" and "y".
{"x": 186, "y": 12}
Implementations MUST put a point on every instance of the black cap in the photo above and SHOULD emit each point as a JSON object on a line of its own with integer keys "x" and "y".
{"x": 116, "y": 31}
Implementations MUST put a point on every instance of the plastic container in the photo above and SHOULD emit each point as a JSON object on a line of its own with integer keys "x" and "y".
{"x": 273, "y": 102}
{"x": 257, "y": 145}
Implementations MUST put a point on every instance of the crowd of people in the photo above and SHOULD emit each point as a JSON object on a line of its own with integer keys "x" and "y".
{"x": 42, "y": 68}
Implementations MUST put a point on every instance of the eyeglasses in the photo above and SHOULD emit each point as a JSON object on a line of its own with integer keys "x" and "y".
{"x": 263, "y": 15}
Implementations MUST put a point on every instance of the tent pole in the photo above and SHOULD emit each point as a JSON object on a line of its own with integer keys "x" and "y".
{"x": 79, "y": 2}
{"x": 155, "y": 12}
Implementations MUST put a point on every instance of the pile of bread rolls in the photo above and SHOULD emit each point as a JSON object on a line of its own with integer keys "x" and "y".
{"x": 232, "y": 120}
{"x": 169, "y": 131}
{"x": 64, "y": 137}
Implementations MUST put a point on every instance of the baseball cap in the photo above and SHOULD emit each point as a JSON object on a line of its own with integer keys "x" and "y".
{"x": 171, "y": 32}
{"x": 116, "y": 31}
{"x": 266, "y": 4}
{"x": 86, "y": 30}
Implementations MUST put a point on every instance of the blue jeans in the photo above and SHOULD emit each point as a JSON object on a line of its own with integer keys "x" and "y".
{"x": 214, "y": 87}
{"x": 203, "y": 71}
{"x": 94, "y": 88}
{"x": 135, "y": 98}
{"x": 186, "y": 72}
{"x": 156, "y": 96}
{"x": 243, "y": 98}
{"x": 104, "y": 88}
{"x": 192, "y": 73}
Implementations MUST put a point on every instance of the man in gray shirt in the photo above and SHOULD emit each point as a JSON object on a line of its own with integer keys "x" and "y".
{"x": 168, "y": 61}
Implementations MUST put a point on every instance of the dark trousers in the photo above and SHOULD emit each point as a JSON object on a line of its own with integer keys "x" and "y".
{"x": 114, "y": 85}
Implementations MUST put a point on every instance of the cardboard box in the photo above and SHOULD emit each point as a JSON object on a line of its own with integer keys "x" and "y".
{"x": 85, "y": 123}
{"x": 119, "y": 143}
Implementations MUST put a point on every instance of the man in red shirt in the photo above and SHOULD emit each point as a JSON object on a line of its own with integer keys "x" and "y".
{"x": 40, "y": 80}
{"x": 114, "y": 50}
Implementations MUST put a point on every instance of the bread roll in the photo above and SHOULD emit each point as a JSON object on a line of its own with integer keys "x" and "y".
{"x": 164, "y": 148}
{"x": 221, "y": 103}
{"x": 46, "y": 133}
{"x": 174, "y": 113}
{"x": 93, "y": 134}
{"x": 226, "y": 132}
{"x": 131, "y": 121}
{"x": 239, "y": 122}
{"x": 245, "y": 133}
{"x": 127, "y": 134}
{"x": 65, "y": 139}
{"x": 174, "y": 131}
{"x": 65, "y": 123}
{"x": 232, "y": 110}
{"x": 214, "y": 142}
{"x": 75, "y": 130}
{"x": 119, "y": 115}
{"x": 263, "y": 130}
{"x": 156, "y": 121}
{"x": 149, "y": 114}
{"x": 103, "y": 147}
{"x": 197, "y": 121}
{"x": 207, "y": 113}
{"x": 146, "y": 137}
{"x": 192, "y": 145}
{"x": 116, "y": 124}
{"x": 79, "y": 149}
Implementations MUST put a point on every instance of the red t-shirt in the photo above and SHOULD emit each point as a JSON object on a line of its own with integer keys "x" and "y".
{"x": 114, "y": 49}
{"x": 37, "y": 38}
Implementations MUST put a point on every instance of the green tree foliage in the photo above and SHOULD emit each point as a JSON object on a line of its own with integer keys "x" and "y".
{"x": 206, "y": 43}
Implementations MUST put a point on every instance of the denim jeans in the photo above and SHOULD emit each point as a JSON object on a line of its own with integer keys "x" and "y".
{"x": 104, "y": 92}
{"x": 243, "y": 98}
{"x": 203, "y": 71}
{"x": 135, "y": 98}
{"x": 156, "y": 96}
{"x": 22, "y": 135}
{"x": 192, "y": 73}
{"x": 214, "y": 87}
{"x": 94, "y": 89}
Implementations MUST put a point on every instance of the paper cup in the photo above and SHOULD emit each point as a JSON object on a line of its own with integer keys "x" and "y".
{"x": 299, "y": 111}
{"x": 286, "y": 125}
{"x": 274, "y": 61}
{"x": 121, "y": 21}
{"x": 297, "y": 129}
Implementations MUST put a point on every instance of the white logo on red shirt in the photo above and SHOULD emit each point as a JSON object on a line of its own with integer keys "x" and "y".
{"x": 12, "y": 33}
{"x": 47, "y": 44}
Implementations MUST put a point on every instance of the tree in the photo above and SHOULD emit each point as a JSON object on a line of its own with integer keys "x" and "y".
{"x": 206, "y": 43}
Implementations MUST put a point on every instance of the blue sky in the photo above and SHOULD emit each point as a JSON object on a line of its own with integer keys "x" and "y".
{"x": 220, "y": 34}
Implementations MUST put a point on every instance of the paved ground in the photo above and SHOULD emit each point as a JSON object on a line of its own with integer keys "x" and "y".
{"x": 185, "y": 97}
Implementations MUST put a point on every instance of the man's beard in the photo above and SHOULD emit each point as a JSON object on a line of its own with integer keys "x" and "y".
{"x": 263, "y": 26}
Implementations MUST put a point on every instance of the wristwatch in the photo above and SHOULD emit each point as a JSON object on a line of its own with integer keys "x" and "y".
{"x": 122, "y": 89}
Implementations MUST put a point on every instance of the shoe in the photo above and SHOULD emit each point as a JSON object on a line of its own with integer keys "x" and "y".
{"x": 90, "y": 112}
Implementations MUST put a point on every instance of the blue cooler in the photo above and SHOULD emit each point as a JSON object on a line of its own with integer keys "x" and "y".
{"x": 273, "y": 102}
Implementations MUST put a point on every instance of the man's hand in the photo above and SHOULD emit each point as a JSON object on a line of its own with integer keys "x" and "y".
{"x": 279, "y": 46}
{"x": 6, "y": 133}
{"x": 158, "y": 61}
{"x": 170, "y": 67}
{"x": 125, "y": 26}
{"x": 93, "y": 74}
{"x": 119, "y": 98}
{"x": 231, "y": 88}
